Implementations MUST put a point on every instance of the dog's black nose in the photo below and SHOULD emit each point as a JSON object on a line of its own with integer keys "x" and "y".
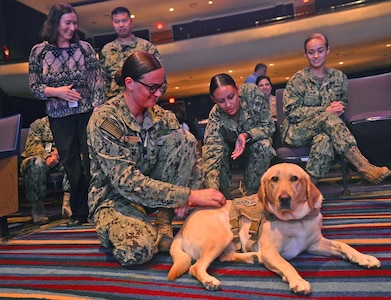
{"x": 285, "y": 202}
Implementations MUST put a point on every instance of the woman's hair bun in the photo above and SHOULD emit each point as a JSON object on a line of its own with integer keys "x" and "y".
{"x": 118, "y": 78}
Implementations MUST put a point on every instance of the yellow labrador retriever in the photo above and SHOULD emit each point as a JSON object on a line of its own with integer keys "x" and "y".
{"x": 290, "y": 224}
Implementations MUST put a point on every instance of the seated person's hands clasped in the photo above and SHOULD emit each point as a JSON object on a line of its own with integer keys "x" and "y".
{"x": 53, "y": 159}
{"x": 336, "y": 108}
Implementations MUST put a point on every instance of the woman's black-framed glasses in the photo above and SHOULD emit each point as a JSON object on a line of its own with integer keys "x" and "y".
{"x": 153, "y": 88}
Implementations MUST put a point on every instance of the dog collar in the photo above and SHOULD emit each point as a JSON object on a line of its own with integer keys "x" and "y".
{"x": 312, "y": 214}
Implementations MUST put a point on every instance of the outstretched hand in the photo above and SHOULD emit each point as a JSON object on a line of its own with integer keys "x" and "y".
{"x": 240, "y": 145}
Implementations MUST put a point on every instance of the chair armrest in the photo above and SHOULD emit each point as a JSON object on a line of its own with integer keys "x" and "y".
{"x": 369, "y": 116}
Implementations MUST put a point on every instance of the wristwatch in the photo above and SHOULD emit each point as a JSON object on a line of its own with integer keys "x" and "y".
{"x": 249, "y": 138}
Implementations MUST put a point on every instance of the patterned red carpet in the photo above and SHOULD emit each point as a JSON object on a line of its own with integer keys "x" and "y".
{"x": 69, "y": 263}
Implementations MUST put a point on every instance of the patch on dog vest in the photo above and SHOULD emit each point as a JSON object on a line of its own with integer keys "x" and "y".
{"x": 251, "y": 208}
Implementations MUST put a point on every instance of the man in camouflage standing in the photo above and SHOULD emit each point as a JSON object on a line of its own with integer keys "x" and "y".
{"x": 116, "y": 52}
{"x": 40, "y": 158}
{"x": 314, "y": 101}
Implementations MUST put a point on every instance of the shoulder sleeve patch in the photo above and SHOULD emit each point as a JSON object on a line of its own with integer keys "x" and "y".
{"x": 111, "y": 128}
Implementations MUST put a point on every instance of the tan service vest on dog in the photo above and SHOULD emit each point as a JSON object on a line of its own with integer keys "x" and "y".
{"x": 251, "y": 208}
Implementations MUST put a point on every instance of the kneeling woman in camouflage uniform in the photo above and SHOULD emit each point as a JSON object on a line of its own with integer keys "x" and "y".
{"x": 239, "y": 125}
{"x": 141, "y": 161}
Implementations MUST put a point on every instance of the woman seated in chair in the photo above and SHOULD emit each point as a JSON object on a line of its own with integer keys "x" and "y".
{"x": 314, "y": 101}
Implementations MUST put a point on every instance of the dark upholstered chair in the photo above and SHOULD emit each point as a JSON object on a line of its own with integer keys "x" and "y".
{"x": 368, "y": 116}
{"x": 9, "y": 151}
{"x": 368, "y": 94}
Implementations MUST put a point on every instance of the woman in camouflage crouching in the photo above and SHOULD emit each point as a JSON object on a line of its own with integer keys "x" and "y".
{"x": 239, "y": 125}
{"x": 141, "y": 161}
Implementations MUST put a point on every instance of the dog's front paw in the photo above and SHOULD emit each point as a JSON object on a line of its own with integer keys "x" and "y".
{"x": 300, "y": 286}
{"x": 209, "y": 282}
{"x": 214, "y": 285}
{"x": 368, "y": 261}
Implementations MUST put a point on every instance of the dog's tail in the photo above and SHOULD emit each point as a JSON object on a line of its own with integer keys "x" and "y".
{"x": 181, "y": 260}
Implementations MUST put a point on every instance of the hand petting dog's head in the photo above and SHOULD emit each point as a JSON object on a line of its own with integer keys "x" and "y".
{"x": 287, "y": 192}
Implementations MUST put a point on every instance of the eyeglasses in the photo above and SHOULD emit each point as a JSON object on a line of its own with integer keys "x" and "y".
{"x": 153, "y": 88}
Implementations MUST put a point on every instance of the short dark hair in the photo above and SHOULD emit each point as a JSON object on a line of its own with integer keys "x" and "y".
{"x": 49, "y": 30}
{"x": 136, "y": 65}
{"x": 260, "y": 66}
{"x": 316, "y": 36}
{"x": 120, "y": 10}
{"x": 259, "y": 78}
{"x": 221, "y": 79}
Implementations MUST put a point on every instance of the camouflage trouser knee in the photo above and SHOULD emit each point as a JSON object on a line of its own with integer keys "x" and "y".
{"x": 178, "y": 160}
{"x": 257, "y": 156}
{"x": 34, "y": 171}
{"x": 225, "y": 175}
{"x": 127, "y": 232}
{"x": 321, "y": 156}
{"x": 327, "y": 134}
{"x": 261, "y": 153}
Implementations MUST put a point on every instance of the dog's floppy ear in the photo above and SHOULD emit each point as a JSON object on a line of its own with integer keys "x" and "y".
{"x": 262, "y": 191}
{"x": 313, "y": 193}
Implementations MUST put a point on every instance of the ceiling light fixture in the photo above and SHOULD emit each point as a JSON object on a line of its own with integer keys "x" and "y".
{"x": 159, "y": 26}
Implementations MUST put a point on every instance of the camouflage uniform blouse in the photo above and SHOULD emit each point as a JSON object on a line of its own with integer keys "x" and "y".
{"x": 40, "y": 140}
{"x": 123, "y": 154}
{"x": 50, "y": 66}
{"x": 254, "y": 118}
{"x": 306, "y": 96}
{"x": 113, "y": 57}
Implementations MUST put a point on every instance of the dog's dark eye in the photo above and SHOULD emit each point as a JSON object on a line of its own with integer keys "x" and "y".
{"x": 274, "y": 178}
{"x": 294, "y": 178}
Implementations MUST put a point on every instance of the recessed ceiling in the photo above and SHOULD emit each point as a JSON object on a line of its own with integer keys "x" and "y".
{"x": 358, "y": 38}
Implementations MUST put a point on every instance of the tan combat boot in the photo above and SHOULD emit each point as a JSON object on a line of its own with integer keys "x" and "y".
{"x": 370, "y": 172}
{"x": 66, "y": 210}
{"x": 164, "y": 228}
